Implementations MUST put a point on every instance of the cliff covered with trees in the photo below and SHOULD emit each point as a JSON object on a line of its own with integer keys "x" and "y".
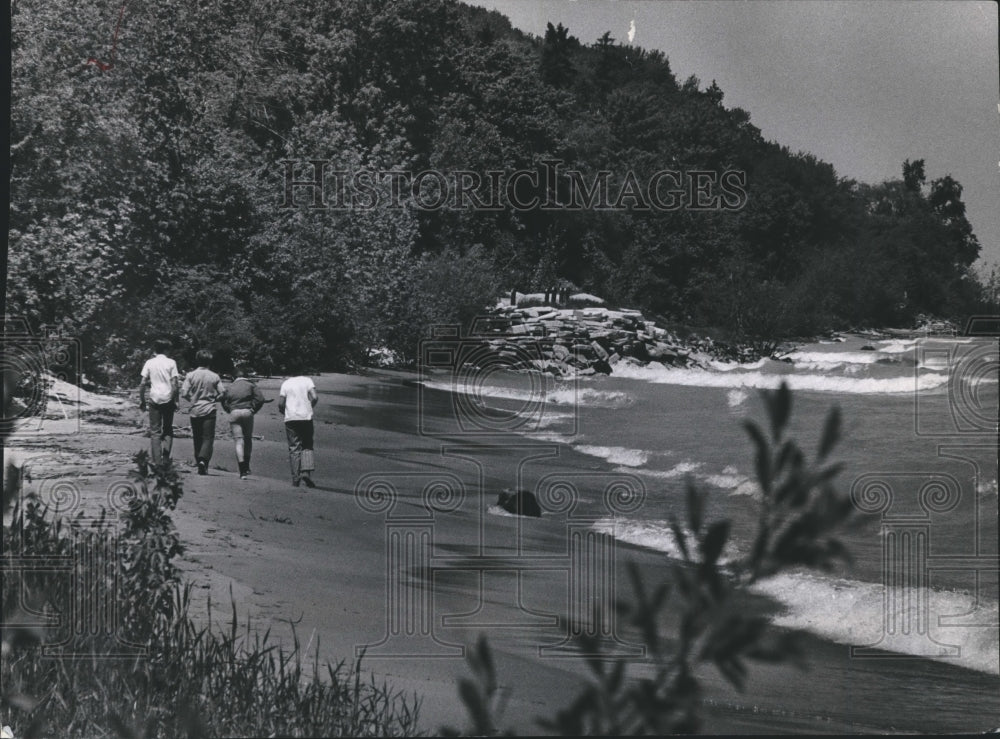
{"x": 152, "y": 147}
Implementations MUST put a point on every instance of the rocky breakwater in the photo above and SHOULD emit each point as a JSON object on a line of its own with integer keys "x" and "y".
{"x": 574, "y": 341}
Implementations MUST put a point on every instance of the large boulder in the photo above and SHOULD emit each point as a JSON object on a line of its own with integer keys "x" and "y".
{"x": 520, "y": 503}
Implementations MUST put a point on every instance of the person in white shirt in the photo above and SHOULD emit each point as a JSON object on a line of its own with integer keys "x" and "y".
{"x": 296, "y": 400}
{"x": 161, "y": 381}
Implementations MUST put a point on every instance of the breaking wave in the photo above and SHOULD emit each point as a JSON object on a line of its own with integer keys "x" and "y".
{"x": 805, "y": 381}
{"x": 960, "y": 629}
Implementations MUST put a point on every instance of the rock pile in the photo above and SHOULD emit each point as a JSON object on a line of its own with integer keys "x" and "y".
{"x": 589, "y": 340}
{"x": 930, "y": 325}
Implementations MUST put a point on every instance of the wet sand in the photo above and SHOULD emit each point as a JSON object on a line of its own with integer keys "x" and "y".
{"x": 422, "y": 566}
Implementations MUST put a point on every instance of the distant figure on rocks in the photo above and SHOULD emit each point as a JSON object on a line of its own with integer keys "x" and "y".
{"x": 521, "y": 503}
{"x": 202, "y": 387}
{"x": 241, "y": 400}
{"x": 296, "y": 400}
{"x": 161, "y": 381}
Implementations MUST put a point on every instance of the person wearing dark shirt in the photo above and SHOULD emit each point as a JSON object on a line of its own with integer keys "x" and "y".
{"x": 241, "y": 400}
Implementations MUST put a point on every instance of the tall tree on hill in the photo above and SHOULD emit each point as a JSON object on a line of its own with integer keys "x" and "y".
{"x": 913, "y": 175}
{"x": 928, "y": 240}
{"x": 557, "y": 48}
{"x": 945, "y": 200}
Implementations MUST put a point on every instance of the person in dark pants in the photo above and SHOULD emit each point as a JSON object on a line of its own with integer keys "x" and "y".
{"x": 241, "y": 400}
{"x": 160, "y": 380}
{"x": 296, "y": 401}
{"x": 202, "y": 387}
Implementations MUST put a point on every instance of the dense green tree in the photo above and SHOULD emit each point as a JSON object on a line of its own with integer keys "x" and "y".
{"x": 557, "y": 50}
{"x": 913, "y": 175}
{"x": 139, "y": 183}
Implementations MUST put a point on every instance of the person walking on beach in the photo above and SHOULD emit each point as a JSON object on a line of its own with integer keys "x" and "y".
{"x": 241, "y": 400}
{"x": 161, "y": 381}
{"x": 202, "y": 387}
{"x": 296, "y": 400}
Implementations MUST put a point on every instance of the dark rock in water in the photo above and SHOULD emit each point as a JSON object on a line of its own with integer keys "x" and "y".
{"x": 868, "y": 348}
{"x": 521, "y": 503}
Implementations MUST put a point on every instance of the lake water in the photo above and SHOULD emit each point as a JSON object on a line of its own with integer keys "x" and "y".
{"x": 919, "y": 450}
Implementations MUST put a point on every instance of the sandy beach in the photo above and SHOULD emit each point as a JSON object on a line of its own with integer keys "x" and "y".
{"x": 713, "y": 288}
{"x": 399, "y": 552}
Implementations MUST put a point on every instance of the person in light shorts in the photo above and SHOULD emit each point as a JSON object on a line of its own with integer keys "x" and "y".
{"x": 241, "y": 400}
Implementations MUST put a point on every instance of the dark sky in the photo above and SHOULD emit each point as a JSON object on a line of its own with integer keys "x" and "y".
{"x": 862, "y": 84}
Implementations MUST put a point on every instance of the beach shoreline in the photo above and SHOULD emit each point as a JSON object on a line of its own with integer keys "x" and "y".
{"x": 318, "y": 559}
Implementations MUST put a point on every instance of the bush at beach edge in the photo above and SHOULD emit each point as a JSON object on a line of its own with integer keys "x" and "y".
{"x": 161, "y": 673}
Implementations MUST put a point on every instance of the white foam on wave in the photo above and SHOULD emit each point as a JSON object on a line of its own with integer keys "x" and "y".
{"x": 977, "y": 380}
{"x": 570, "y": 395}
{"x": 855, "y": 613}
{"x": 733, "y": 482}
{"x": 615, "y": 454}
{"x": 722, "y": 366}
{"x": 627, "y": 459}
{"x": 833, "y": 359}
{"x": 591, "y": 397}
{"x": 897, "y": 346}
{"x": 934, "y": 362}
{"x": 549, "y": 436}
{"x": 550, "y": 418}
{"x": 495, "y": 510}
{"x": 987, "y": 488}
{"x": 808, "y": 382}
{"x": 677, "y": 471}
{"x": 938, "y": 339}
{"x": 729, "y": 480}
{"x": 658, "y": 536}
{"x": 825, "y": 366}
{"x": 736, "y": 397}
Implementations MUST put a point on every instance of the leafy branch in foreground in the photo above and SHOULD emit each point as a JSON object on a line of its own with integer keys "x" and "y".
{"x": 800, "y": 510}
{"x": 706, "y": 596}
